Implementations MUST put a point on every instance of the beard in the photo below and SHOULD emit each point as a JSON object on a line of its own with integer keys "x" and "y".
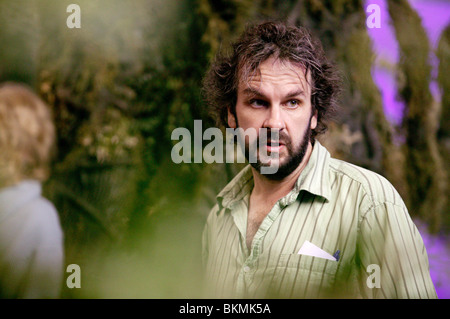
{"x": 294, "y": 157}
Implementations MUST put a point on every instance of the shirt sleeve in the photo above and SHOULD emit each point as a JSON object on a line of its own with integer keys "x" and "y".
{"x": 205, "y": 245}
{"x": 392, "y": 255}
{"x": 45, "y": 271}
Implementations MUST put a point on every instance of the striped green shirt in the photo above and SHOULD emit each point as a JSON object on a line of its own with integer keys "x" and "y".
{"x": 335, "y": 206}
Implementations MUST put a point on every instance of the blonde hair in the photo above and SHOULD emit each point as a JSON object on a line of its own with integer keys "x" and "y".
{"x": 27, "y": 135}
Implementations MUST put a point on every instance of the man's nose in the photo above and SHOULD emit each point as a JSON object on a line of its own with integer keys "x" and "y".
{"x": 274, "y": 118}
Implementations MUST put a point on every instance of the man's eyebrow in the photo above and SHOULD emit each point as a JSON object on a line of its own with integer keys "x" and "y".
{"x": 255, "y": 92}
{"x": 295, "y": 93}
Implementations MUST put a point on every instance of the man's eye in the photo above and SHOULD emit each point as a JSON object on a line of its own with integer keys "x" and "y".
{"x": 293, "y": 103}
{"x": 257, "y": 103}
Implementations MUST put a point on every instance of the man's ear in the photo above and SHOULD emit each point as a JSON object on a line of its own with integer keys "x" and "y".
{"x": 231, "y": 119}
{"x": 314, "y": 119}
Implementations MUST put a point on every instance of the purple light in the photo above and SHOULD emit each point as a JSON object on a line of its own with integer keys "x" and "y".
{"x": 439, "y": 259}
{"x": 435, "y": 17}
{"x": 393, "y": 108}
{"x": 385, "y": 47}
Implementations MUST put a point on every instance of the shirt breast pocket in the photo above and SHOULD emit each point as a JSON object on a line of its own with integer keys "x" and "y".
{"x": 302, "y": 276}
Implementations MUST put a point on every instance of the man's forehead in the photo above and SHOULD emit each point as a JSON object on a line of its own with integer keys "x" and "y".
{"x": 277, "y": 70}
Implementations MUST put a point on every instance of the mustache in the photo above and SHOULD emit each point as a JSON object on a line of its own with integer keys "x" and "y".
{"x": 273, "y": 137}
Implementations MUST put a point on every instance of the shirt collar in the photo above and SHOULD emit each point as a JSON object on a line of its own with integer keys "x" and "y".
{"x": 237, "y": 189}
{"x": 314, "y": 179}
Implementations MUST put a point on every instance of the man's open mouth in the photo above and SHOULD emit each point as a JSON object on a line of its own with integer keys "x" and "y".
{"x": 274, "y": 146}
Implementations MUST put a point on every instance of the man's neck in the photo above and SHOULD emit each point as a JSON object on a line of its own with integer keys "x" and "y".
{"x": 276, "y": 189}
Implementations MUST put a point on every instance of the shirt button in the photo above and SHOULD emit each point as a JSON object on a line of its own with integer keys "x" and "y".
{"x": 246, "y": 269}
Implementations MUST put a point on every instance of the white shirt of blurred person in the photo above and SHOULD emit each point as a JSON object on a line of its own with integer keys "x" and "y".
{"x": 31, "y": 238}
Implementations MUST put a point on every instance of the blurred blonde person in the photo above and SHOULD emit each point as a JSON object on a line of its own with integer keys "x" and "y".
{"x": 31, "y": 238}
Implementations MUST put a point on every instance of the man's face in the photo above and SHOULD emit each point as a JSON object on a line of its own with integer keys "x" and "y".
{"x": 278, "y": 99}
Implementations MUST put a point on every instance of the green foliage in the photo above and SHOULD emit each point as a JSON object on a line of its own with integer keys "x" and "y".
{"x": 19, "y": 41}
{"x": 425, "y": 173}
{"x": 443, "y": 54}
{"x": 120, "y": 85}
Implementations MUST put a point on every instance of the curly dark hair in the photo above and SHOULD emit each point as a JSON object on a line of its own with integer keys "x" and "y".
{"x": 258, "y": 43}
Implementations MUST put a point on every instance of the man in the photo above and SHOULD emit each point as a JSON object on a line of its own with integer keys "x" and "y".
{"x": 319, "y": 227}
{"x": 31, "y": 238}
